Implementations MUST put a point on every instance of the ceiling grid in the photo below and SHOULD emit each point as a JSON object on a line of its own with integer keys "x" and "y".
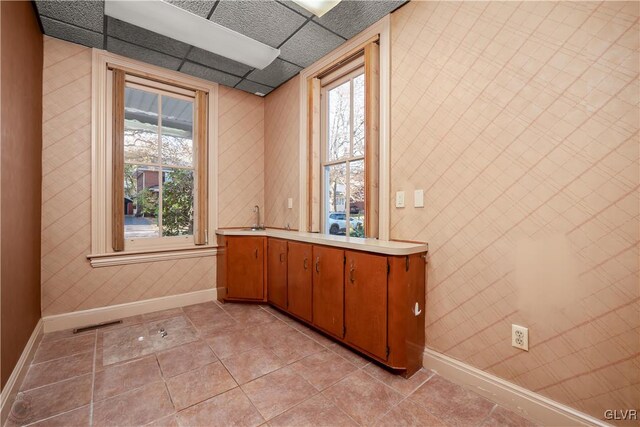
{"x": 302, "y": 37}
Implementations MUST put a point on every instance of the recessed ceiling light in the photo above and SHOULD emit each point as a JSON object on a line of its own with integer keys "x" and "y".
{"x": 317, "y": 7}
{"x": 171, "y": 21}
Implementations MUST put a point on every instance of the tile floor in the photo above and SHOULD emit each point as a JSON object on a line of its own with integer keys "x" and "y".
{"x": 231, "y": 364}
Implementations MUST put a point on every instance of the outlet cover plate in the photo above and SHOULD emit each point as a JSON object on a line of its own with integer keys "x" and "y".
{"x": 520, "y": 337}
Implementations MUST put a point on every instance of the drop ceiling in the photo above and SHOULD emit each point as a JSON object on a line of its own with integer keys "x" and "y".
{"x": 301, "y": 37}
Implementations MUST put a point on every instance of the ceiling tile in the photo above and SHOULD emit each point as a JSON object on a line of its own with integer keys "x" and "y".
{"x": 132, "y": 34}
{"x": 72, "y": 34}
{"x": 199, "y": 7}
{"x": 85, "y": 14}
{"x": 266, "y": 21}
{"x": 275, "y": 74}
{"x": 350, "y": 17}
{"x": 209, "y": 74}
{"x": 142, "y": 54}
{"x": 218, "y": 62}
{"x": 309, "y": 44}
{"x": 295, "y": 7}
{"x": 253, "y": 87}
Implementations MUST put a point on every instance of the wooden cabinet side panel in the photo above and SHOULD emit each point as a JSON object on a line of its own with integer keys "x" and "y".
{"x": 299, "y": 267}
{"x": 406, "y": 330}
{"x": 245, "y": 268}
{"x": 277, "y": 272}
{"x": 365, "y": 303}
{"x": 221, "y": 268}
{"x": 328, "y": 290}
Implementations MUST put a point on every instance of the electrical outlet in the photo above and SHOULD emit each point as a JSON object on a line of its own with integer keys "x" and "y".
{"x": 520, "y": 337}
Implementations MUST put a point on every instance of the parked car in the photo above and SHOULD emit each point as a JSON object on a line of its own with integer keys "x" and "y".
{"x": 338, "y": 223}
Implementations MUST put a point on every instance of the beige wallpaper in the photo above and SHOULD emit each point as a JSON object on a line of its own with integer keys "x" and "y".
{"x": 281, "y": 140}
{"x": 69, "y": 283}
{"x": 241, "y": 157}
{"x": 520, "y": 122}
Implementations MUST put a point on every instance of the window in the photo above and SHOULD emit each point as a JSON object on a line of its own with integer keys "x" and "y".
{"x": 343, "y": 180}
{"x": 343, "y": 146}
{"x": 159, "y": 165}
{"x": 153, "y": 173}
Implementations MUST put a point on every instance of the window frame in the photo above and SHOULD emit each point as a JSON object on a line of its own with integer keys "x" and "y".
{"x": 102, "y": 252}
{"x": 351, "y": 73}
{"x": 378, "y": 65}
{"x": 146, "y": 243}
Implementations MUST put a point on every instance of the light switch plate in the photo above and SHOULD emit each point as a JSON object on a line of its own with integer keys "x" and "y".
{"x": 290, "y": 203}
{"x": 418, "y": 199}
{"x": 399, "y": 199}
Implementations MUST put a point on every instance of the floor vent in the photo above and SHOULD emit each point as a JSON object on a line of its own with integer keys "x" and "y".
{"x": 97, "y": 326}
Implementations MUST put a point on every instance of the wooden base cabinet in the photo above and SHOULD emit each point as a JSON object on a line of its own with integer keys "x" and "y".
{"x": 277, "y": 272}
{"x": 300, "y": 280}
{"x": 328, "y": 290}
{"x": 241, "y": 268}
{"x": 371, "y": 302}
{"x": 365, "y": 303}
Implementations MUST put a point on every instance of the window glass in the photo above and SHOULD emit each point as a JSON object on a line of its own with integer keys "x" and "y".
{"x": 140, "y": 126}
{"x": 358, "y": 115}
{"x": 177, "y": 132}
{"x": 158, "y": 137}
{"x": 339, "y": 122}
{"x": 343, "y": 163}
{"x": 335, "y": 198}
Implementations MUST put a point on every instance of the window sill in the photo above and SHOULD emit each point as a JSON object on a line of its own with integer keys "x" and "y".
{"x": 137, "y": 257}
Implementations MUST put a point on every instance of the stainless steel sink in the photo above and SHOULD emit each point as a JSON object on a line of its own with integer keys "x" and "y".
{"x": 254, "y": 229}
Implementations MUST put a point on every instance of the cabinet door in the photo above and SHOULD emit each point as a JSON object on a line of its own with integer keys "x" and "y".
{"x": 365, "y": 305}
{"x": 328, "y": 289}
{"x": 277, "y": 272}
{"x": 245, "y": 267}
{"x": 299, "y": 267}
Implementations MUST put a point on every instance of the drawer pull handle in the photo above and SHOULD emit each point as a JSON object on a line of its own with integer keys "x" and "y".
{"x": 256, "y": 253}
{"x": 305, "y": 263}
{"x": 352, "y": 274}
{"x": 318, "y": 265}
{"x": 281, "y": 257}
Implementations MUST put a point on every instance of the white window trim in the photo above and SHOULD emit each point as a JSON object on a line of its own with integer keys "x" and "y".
{"x": 101, "y": 252}
{"x": 381, "y": 28}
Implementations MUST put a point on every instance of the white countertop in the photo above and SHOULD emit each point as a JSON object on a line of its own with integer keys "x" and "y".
{"x": 355, "y": 243}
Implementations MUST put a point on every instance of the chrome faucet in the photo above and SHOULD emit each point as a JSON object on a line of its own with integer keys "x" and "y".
{"x": 257, "y": 226}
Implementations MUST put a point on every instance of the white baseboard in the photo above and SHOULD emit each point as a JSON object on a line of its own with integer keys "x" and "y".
{"x": 93, "y": 316}
{"x": 525, "y": 402}
{"x": 10, "y": 389}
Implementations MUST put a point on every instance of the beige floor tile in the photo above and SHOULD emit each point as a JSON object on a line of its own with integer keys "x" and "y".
{"x": 503, "y": 417}
{"x": 278, "y": 391}
{"x": 44, "y": 402}
{"x": 349, "y": 354}
{"x": 451, "y": 402}
{"x": 295, "y": 346}
{"x": 323, "y": 369}
{"x": 184, "y": 358}
{"x": 75, "y": 418}
{"x": 229, "y": 343}
{"x": 121, "y": 378}
{"x": 406, "y": 386}
{"x": 58, "y": 369}
{"x": 408, "y": 414}
{"x": 140, "y": 406}
{"x": 247, "y": 366}
{"x": 318, "y": 411}
{"x": 362, "y": 397}
{"x": 200, "y": 384}
{"x": 56, "y": 349}
{"x": 228, "y": 409}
